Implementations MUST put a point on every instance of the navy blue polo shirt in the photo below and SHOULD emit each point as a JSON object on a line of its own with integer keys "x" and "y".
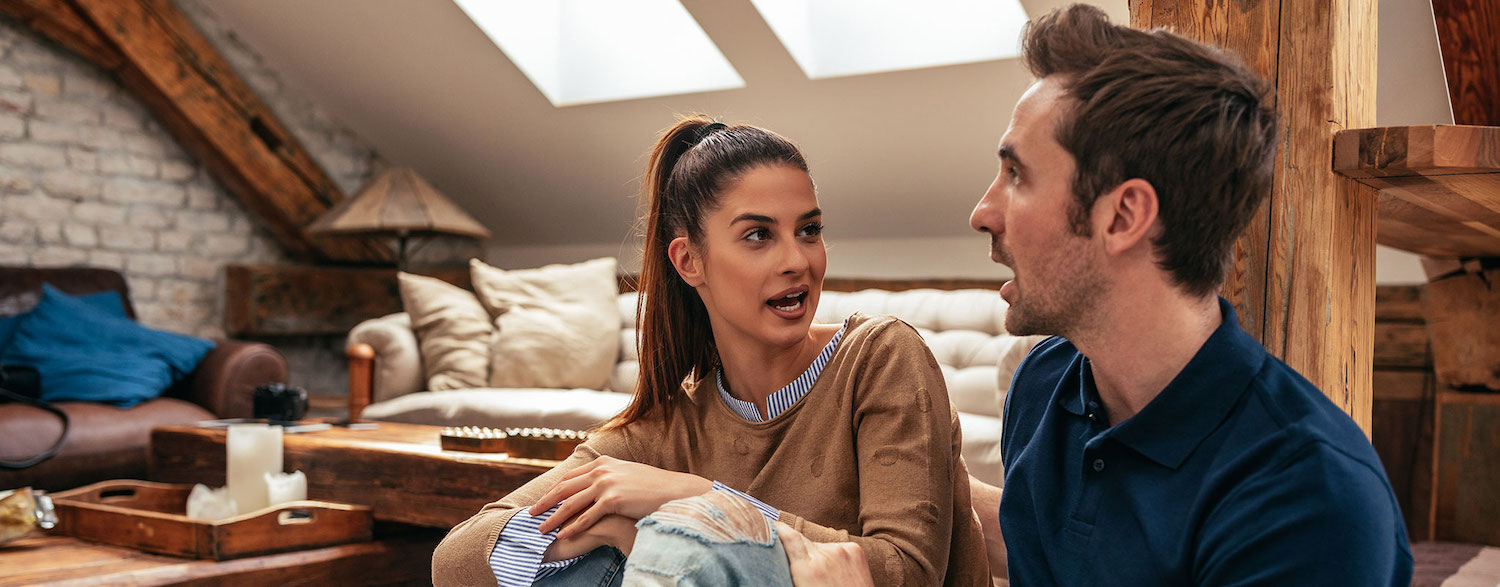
{"x": 1239, "y": 472}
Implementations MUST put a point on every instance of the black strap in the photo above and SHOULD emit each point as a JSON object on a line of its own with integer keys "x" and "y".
{"x": 56, "y": 446}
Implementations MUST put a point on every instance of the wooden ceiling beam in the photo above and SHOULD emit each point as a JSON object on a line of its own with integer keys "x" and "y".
{"x": 162, "y": 59}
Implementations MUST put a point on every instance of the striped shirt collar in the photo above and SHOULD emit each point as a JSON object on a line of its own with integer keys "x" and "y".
{"x": 787, "y": 397}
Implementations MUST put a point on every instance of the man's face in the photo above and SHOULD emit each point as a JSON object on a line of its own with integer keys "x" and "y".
{"x": 1026, "y": 214}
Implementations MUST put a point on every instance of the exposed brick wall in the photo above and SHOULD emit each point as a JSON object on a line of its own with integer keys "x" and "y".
{"x": 88, "y": 177}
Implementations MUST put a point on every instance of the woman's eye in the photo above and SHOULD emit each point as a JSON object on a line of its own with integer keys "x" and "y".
{"x": 758, "y": 235}
{"x": 813, "y": 229}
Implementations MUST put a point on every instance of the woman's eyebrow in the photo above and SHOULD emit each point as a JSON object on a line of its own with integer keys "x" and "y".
{"x": 761, "y": 218}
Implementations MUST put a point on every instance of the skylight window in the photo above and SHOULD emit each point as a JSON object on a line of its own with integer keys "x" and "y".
{"x": 832, "y": 38}
{"x": 584, "y": 51}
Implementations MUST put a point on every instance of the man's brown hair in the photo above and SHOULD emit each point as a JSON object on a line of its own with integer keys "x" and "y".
{"x": 1188, "y": 118}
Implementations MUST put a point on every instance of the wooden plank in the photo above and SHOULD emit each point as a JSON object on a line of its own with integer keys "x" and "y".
{"x": 1462, "y": 312}
{"x": 1401, "y": 303}
{"x": 56, "y": 20}
{"x": 1467, "y": 476}
{"x": 1401, "y": 430}
{"x": 1471, "y": 57}
{"x": 1306, "y": 262}
{"x": 1439, "y": 185}
{"x": 399, "y": 470}
{"x": 298, "y": 299}
{"x": 41, "y": 560}
{"x": 163, "y": 61}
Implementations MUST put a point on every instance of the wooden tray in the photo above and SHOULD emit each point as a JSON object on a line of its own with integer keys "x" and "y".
{"x": 147, "y": 516}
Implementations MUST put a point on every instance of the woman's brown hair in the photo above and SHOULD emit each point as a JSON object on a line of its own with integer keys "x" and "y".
{"x": 692, "y": 163}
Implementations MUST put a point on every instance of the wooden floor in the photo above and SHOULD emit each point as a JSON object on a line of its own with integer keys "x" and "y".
{"x": 56, "y": 561}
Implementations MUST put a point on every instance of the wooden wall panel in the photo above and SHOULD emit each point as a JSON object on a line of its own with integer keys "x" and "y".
{"x": 1469, "y": 38}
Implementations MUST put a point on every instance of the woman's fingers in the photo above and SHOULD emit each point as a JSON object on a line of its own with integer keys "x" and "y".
{"x": 559, "y": 492}
{"x": 583, "y": 521}
{"x": 792, "y": 541}
{"x": 570, "y": 506}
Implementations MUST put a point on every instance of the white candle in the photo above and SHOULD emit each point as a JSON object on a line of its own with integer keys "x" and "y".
{"x": 252, "y": 451}
{"x": 285, "y": 487}
{"x": 209, "y": 504}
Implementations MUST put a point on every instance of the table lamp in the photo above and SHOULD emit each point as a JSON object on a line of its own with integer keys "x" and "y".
{"x": 398, "y": 203}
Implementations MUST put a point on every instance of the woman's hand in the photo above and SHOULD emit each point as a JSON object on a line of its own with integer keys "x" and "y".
{"x": 614, "y": 530}
{"x": 612, "y": 486}
{"x": 817, "y": 564}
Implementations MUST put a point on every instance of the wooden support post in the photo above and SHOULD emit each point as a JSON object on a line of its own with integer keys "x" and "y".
{"x": 1303, "y": 280}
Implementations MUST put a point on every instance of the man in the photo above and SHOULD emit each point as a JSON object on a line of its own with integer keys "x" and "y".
{"x": 1153, "y": 442}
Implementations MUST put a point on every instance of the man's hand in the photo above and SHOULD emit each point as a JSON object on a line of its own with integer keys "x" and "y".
{"x": 613, "y": 530}
{"x": 817, "y": 564}
{"x": 612, "y": 486}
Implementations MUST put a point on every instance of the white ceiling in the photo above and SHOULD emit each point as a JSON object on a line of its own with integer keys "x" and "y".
{"x": 895, "y": 155}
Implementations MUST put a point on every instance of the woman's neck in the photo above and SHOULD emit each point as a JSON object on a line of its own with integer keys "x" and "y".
{"x": 754, "y": 371}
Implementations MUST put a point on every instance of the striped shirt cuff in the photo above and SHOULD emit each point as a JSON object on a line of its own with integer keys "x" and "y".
{"x": 769, "y": 512}
{"x": 517, "y": 558}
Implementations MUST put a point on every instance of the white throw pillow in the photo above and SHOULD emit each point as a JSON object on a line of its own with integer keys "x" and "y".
{"x": 556, "y": 326}
{"x": 454, "y": 332}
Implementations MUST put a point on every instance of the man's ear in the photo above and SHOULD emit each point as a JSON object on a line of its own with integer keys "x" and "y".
{"x": 1128, "y": 214}
{"x": 686, "y": 260}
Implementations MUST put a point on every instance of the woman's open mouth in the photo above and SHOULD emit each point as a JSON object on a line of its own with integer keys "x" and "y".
{"x": 791, "y": 304}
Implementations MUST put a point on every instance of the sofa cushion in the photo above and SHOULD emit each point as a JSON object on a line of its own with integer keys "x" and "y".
{"x": 87, "y": 354}
{"x": 981, "y": 449}
{"x": 556, "y": 326}
{"x": 574, "y": 409}
{"x": 453, "y": 330}
{"x": 398, "y": 364}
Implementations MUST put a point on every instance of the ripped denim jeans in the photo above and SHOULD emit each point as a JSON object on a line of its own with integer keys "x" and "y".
{"x": 711, "y": 539}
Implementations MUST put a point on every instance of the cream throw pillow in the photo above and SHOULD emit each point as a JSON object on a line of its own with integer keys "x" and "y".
{"x": 556, "y": 326}
{"x": 454, "y": 332}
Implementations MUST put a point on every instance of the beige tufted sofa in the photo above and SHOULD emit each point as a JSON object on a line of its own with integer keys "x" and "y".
{"x": 965, "y": 329}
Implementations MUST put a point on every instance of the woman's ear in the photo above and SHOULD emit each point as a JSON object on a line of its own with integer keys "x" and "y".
{"x": 686, "y": 260}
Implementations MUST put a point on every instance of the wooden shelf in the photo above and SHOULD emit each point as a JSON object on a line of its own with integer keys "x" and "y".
{"x": 1439, "y": 185}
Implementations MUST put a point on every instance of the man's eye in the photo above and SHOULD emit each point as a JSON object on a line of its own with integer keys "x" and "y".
{"x": 1010, "y": 174}
{"x": 813, "y": 229}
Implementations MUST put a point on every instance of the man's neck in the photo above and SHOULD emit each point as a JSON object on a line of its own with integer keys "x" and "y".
{"x": 1143, "y": 343}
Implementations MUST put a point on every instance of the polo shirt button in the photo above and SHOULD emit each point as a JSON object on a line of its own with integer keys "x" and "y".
{"x": 1098, "y": 465}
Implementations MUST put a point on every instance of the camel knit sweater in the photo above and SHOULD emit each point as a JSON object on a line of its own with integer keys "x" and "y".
{"x": 870, "y": 455}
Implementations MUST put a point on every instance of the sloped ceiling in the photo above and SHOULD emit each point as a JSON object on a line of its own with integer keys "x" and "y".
{"x": 902, "y": 154}
{"x": 895, "y": 155}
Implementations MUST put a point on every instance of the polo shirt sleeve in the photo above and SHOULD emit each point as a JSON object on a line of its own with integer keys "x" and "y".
{"x": 1320, "y": 518}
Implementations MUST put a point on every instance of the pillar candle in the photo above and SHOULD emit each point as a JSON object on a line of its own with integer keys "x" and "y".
{"x": 252, "y": 451}
{"x": 285, "y": 487}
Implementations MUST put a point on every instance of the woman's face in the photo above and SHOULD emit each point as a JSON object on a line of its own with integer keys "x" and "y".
{"x": 761, "y": 259}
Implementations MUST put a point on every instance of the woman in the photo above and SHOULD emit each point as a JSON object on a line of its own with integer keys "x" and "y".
{"x": 861, "y": 446}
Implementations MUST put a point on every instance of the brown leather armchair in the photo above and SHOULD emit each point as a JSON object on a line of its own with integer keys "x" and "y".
{"x": 105, "y": 442}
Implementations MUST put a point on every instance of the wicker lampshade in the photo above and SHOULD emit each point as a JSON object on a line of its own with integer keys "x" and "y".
{"x": 398, "y": 202}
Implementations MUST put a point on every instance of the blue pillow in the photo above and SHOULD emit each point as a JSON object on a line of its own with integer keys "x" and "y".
{"x": 108, "y": 301}
{"x": 87, "y": 354}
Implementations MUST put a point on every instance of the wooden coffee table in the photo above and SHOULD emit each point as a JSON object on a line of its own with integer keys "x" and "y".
{"x": 397, "y": 469}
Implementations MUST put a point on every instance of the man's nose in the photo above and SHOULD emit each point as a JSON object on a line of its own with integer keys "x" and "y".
{"x": 988, "y": 215}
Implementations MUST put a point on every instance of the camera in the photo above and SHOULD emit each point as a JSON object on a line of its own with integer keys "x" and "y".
{"x": 279, "y": 402}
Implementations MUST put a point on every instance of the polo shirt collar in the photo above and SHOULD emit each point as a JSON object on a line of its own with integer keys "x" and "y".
{"x": 1197, "y": 400}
